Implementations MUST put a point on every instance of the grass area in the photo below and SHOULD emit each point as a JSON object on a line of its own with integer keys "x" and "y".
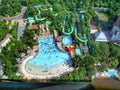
{"x": 104, "y": 17}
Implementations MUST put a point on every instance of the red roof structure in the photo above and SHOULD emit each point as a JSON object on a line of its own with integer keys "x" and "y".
{"x": 70, "y": 49}
{"x": 32, "y": 27}
{"x": 85, "y": 51}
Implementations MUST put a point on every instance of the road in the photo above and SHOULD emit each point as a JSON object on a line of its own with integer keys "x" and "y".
{"x": 102, "y": 24}
{"x": 78, "y": 23}
{"x": 20, "y": 16}
{"x": 21, "y": 29}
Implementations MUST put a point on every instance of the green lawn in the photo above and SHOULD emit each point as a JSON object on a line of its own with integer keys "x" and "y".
{"x": 104, "y": 17}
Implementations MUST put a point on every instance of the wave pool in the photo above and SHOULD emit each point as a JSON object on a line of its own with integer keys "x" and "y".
{"x": 49, "y": 58}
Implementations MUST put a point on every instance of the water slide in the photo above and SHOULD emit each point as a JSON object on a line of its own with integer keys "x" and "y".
{"x": 80, "y": 38}
{"x": 71, "y": 31}
{"x": 63, "y": 29}
{"x": 36, "y": 17}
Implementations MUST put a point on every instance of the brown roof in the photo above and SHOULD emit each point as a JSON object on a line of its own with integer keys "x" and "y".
{"x": 7, "y": 36}
{"x": 105, "y": 83}
{"x": 92, "y": 24}
{"x": 117, "y": 23}
{"x": 33, "y": 27}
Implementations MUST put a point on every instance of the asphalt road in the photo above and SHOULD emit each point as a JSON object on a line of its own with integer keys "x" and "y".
{"x": 21, "y": 29}
{"x": 102, "y": 24}
{"x": 20, "y": 16}
{"x": 78, "y": 23}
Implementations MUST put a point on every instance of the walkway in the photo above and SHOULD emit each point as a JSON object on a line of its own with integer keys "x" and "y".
{"x": 33, "y": 76}
{"x": 44, "y": 32}
{"x": 21, "y": 28}
{"x": 105, "y": 30}
{"x": 20, "y": 16}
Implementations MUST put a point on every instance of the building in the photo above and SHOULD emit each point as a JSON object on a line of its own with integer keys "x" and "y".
{"x": 31, "y": 19}
{"x": 82, "y": 14}
{"x": 115, "y": 33}
{"x": 102, "y": 36}
{"x": 21, "y": 28}
{"x": 71, "y": 50}
{"x": 93, "y": 26}
{"x": 1, "y": 69}
{"x": 56, "y": 34}
{"x": 4, "y": 42}
{"x": 78, "y": 51}
{"x": 31, "y": 27}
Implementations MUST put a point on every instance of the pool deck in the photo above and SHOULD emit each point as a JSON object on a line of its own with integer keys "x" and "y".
{"x": 28, "y": 75}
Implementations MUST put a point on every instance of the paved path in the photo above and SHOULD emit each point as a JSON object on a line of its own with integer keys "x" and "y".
{"x": 33, "y": 76}
{"x": 78, "y": 23}
{"x": 102, "y": 23}
{"x": 21, "y": 28}
{"x": 20, "y": 16}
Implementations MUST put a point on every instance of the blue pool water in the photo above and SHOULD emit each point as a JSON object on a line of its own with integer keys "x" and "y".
{"x": 67, "y": 40}
{"x": 112, "y": 73}
{"x": 49, "y": 54}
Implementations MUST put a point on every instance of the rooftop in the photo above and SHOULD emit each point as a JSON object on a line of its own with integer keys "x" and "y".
{"x": 102, "y": 36}
{"x": 92, "y": 24}
{"x": 33, "y": 27}
{"x": 117, "y": 23}
{"x": 7, "y": 36}
{"x": 30, "y": 18}
{"x": 78, "y": 51}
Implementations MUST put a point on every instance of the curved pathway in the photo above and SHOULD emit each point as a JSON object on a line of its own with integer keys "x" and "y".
{"x": 28, "y": 75}
{"x": 20, "y": 16}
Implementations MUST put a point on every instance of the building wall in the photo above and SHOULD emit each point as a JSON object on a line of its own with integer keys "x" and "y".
{"x": 4, "y": 43}
{"x": 93, "y": 31}
{"x": 115, "y": 28}
{"x": 115, "y": 34}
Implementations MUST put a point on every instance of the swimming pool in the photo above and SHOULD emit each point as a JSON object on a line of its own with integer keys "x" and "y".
{"x": 112, "y": 73}
{"x": 49, "y": 54}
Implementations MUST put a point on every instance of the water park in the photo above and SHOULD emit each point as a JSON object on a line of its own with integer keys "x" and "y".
{"x": 48, "y": 57}
{"x": 52, "y": 57}
{"x": 47, "y": 61}
{"x": 82, "y": 48}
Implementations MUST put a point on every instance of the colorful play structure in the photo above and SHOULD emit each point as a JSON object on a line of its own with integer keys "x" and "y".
{"x": 66, "y": 39}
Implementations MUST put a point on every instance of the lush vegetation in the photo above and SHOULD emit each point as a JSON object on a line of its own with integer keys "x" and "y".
{"x": 9, "y": 55}
{"x": 3, "y": 30}
{"x": 105, "y": 53}
{"x": 10, "y": 8}
{"x": 104, "y": 17}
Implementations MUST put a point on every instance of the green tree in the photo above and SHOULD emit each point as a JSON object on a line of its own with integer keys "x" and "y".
{"x": 113, "y": 62}
{"x": 28, "y": 38}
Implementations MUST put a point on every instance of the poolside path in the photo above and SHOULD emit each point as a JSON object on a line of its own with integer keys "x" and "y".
{"x": 33, "y": 76}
